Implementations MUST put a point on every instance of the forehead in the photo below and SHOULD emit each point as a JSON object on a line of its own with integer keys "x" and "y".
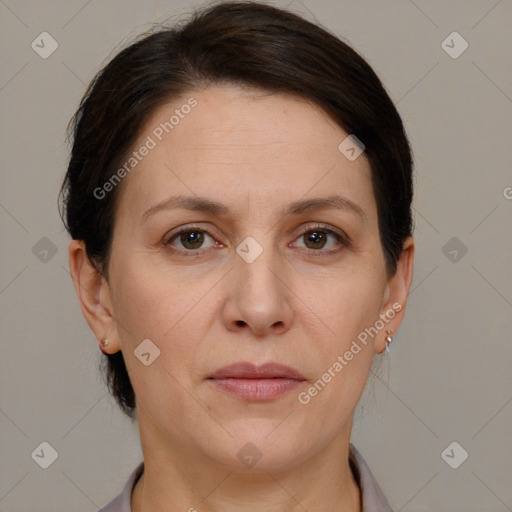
{"x": 225, "y": 138}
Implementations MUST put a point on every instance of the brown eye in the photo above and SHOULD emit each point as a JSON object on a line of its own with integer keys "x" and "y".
{"x": 189, "y": 240}
{"x": 320, "y": 240}
{"x": 315, "y": 239}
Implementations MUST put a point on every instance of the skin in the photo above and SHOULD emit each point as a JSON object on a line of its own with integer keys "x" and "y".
{"x": 255, "y": 152}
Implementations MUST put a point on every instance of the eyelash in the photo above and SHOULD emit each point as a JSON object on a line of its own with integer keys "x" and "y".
{"x": 344, "y": 240}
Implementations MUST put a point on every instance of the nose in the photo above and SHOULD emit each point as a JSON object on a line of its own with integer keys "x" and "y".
{"x": 259, "y": 298}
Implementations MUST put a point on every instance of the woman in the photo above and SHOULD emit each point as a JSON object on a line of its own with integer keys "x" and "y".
{"x": 239, "y": 198}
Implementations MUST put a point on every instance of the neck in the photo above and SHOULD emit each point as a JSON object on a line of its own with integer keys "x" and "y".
{"x": 176, "y": 480}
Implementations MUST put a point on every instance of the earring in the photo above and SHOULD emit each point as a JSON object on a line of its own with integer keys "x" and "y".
{"x": 104, "y": 342}
{"x": 389, "y": 339}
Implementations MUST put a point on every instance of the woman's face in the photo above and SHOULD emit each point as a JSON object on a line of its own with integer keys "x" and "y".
{"x": 266, "y": 272}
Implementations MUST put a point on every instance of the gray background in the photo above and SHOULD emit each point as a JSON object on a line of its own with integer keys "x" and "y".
{"x": 448, "y": 375}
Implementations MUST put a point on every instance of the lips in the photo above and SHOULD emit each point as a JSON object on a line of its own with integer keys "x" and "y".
{"x": 250, "y": 371}
{"x": 256, "y": 383}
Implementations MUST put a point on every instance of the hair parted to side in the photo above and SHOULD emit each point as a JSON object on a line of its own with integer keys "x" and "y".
{"x": 242, "y": 43}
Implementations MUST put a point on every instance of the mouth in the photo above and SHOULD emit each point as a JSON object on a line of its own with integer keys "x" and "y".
{"x": 256, "y": 383}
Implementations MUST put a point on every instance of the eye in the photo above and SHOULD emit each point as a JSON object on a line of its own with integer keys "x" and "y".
{"x": 189, "y": 239}
{"x": 317, "y": 238}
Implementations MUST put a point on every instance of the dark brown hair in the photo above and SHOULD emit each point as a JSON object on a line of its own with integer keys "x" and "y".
{"x": 241, "y": 43}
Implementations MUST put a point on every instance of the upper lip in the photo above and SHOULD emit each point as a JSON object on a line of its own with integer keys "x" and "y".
{"x": 246, "y": 370}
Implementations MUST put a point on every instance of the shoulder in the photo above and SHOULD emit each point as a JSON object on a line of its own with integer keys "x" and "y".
{"x": 372, "y": 497}
{"x": 121, "y": 503}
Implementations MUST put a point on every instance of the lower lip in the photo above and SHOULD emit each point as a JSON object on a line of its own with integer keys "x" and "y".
{"x": 256, "y": 390}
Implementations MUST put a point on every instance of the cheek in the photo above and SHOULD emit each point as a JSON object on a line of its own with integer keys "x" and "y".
{"x": 342, "y": 303}
{"x": 339, "y": 361}
{"x": 341, "y": 307}
{"x": 150, "y": 307}
{"x": 163, "y": 312}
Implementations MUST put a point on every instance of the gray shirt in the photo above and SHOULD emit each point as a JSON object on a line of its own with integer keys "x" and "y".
{"x": 372, "y": 497}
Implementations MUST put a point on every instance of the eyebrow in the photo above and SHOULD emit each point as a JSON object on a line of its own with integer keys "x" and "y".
{"x": 202, "y": 204}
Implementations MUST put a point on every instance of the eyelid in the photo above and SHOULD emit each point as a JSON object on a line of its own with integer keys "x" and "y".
{"x": 343, "y": 240}
{"x": 184, "y": 229}
{"x": 328, "y": 229}
{"x": 342, "y": 237}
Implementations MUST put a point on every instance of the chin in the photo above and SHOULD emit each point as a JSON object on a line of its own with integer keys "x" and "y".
{"x": 258, "y": 446}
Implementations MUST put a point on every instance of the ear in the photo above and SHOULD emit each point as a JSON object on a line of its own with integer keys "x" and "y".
{"x": 395, "y": 296}
{"x": 93, "y": 294}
